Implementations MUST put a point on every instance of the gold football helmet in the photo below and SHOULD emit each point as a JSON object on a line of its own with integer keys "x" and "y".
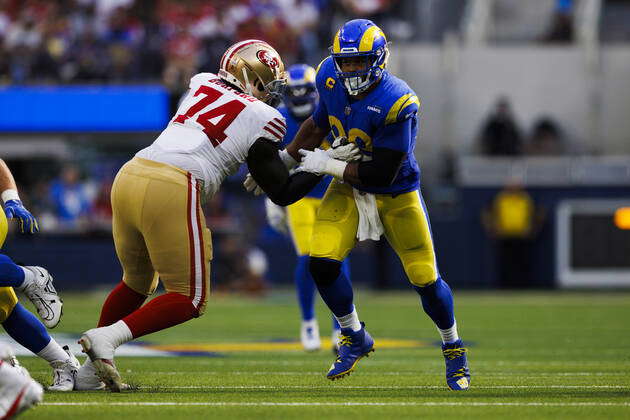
{"x": 256, "y": 68}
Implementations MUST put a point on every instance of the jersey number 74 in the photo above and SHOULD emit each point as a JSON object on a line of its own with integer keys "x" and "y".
{"x": 228, "y": 111}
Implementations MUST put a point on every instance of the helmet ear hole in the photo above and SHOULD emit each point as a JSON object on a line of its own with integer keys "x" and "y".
{"x": 259, "y": 85}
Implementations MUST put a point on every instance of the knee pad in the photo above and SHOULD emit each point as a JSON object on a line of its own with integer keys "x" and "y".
{"x": 324, "y": 271}
{"x": 421, "y": 273}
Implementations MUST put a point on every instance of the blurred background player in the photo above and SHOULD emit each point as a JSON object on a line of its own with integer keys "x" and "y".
{"x": 379, "y": 195}
{"x": 18, "y": 391}
{"x": 159, "y": 227}
{"x": 37, "y": 284}
{"x": 300, "y": 100}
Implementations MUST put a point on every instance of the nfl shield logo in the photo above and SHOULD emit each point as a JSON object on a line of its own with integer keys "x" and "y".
{"x": 347, "y": 110}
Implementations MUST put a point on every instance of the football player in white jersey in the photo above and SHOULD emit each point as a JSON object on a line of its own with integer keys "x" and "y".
{"x": 158, "y": 225}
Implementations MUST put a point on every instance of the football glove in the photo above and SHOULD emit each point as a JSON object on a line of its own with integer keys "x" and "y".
{"x": 276, "y": 217}
{"x": 342, "y": 150}
{"x": 319, "y": 162}
{"x": 251, "y": 186}
{"x": 14, "y": 209}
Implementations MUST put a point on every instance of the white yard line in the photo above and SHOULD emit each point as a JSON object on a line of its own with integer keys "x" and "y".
{"x": 280, "y": 387}
{"x": 346, "y": 403}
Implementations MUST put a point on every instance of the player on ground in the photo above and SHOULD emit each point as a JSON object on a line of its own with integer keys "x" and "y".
{"x": 361, "y": 100}
{"x": 18, "y": 392}
{"x": 37, "y": 284}
{"x": 158, "y": 225}
{"x": 300, "y": 100}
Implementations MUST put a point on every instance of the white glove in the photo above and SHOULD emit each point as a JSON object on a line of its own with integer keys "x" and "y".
{"x": 319, "y": 162}
{"x": 342, "y": 150}
{"x": 251, "y": 186}
{"x": 276, "y": 217}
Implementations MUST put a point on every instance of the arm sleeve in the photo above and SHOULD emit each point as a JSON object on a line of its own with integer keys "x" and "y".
{"x": 272, "y": 176}
{"x": 381, "y": 171}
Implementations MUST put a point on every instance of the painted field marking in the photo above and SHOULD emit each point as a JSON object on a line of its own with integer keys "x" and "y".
{"x": 344, "y": 403}
{"x": 393, "y": 387}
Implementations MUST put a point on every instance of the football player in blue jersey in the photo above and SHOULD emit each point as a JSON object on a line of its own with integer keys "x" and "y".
{"x": 361, "y": 100}
{"x": 300, "y": 100}
{"x": 36, "y": 284}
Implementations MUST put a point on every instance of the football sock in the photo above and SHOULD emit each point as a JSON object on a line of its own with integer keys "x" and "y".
{"x": 449, "y": 335}
{"x": 11, "y": 275}
{"x": 350, "y": 321}
{"x": 26, "y": 329}
{"x": 437, "y": 302}
{"x": 305, "y": 288}
{"x": 121, "y": 301}
{"x": 53, "y": 352}
{"x": 334, "y": 287}
{"x": 162, "y": 312}
{"x": 116, "y": 334}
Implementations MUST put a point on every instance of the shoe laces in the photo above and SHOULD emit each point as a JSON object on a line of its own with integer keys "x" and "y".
{"x": 345, "y": 340}
{"x": 451, "y": 354}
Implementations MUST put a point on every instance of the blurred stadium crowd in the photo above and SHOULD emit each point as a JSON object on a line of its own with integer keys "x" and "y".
{"x": 69, "y": 41}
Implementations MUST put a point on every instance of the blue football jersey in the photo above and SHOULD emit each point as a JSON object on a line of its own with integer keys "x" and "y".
{"x": 363, "y": 121}
{"x": 293, "y": 125}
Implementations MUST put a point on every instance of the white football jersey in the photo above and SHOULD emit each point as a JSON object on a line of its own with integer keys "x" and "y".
{"x": 213, "y": 129}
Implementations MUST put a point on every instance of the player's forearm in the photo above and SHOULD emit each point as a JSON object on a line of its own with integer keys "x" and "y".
{"x": 381, "y": 171}
{"x": 7, "y": 182}
{"x": 295, "y": 188}
{"x": 308, "y": 137}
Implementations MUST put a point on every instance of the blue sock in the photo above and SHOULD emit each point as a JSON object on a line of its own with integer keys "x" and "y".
{"x": 305, "y": 287}
{"x": 345, "y": 269}
{"x": 11, "y": 274}
{"x": 437, "y": 302}
{"x": 333, "y": 285}
{"x": 26, "y": 329}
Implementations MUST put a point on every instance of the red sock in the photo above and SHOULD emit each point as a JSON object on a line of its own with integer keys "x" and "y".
{"x": 162, "y": 312}
{"x": 121, "y": 301}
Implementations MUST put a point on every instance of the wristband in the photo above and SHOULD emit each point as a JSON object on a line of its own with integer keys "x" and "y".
{"x": 335, "y": 168}
{"x": 287, "y": 159}
{"x": 9, "y": 195}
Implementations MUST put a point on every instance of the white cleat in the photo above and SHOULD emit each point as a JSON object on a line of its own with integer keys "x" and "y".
{"x": 64, "y": 372}
{"x": 335, "y": 338}
{"x": 87, "y": 378}
{"x": 309, "y": 335}
{"x": 101, "y": 353}
{"x": 38, "y": 287}
{"x": 18, "y": 392}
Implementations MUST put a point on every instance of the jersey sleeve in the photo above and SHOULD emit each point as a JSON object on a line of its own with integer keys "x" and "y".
{"x": 405, "y": 107}
{"x": 274, "y": 126}
{"x": 395, "y": 136}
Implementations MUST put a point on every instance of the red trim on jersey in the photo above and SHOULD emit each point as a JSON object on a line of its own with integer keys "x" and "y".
{"x": 278, "y": 127}
{"x": 279, "y": 121}
{"x": 14, "y": 407}
{"x": 203, "y": 259}
{"x": 191, "y": 238}
{"x": 273, "y": 132}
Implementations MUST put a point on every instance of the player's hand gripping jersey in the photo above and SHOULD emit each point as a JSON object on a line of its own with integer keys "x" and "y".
{"x": 386, "y": 118}
{"x": 213, "y": 130}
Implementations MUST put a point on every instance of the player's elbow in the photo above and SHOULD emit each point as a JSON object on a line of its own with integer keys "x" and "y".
{"x": 378, "y": 179}
{"x": 282, "y": 199}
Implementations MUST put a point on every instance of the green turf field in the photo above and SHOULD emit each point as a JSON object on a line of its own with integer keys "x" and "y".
{"x": 532, "y": 355}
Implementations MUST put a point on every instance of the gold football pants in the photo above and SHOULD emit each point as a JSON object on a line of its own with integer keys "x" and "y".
{"x": 301, "y": 219}
{"x": 160, "y": 231}
{"x": 406, "y": 229}
{"x": 8, "y": 300}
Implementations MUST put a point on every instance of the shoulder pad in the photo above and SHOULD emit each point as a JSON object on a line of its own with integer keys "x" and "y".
{"x": 326, "y": 77}
{"x": 404, "y": 107}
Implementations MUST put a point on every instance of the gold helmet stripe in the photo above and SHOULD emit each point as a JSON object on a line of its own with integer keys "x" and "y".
{"x": 367, "y": 40}
{"x": 336, "y": 45}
